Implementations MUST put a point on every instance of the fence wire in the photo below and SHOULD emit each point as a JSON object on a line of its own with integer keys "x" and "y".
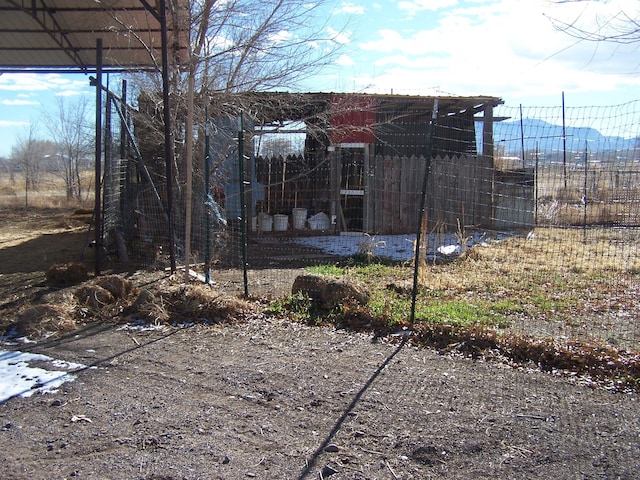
{"x": 554, "y": 199}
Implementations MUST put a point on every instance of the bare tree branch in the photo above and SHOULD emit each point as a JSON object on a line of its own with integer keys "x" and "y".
{"x": 621, "y": 27}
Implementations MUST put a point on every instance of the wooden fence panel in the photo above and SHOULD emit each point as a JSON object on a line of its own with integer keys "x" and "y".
{"x": 459, "y": 189}
{"x": 452, "y": 191}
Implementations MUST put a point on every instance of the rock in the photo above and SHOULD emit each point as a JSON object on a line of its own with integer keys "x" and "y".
{"x": 327, "y": 471}
{"x": 330, "y": 291}
{"x": 403, "y": 287}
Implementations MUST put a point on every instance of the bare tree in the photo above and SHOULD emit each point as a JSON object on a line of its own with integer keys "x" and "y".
{"x": 617, "y": 25}
{"x": 246, "y": 46}
{"x": 28, "y": 154}
{"x": 70, "y": 130}
{"x": 243, "y": 45}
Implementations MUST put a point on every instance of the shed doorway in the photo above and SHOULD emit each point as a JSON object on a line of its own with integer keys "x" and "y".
{"x": 353, "y": 168}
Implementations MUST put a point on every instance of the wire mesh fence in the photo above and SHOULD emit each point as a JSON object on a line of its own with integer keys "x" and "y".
{"x": 514, "y": 197}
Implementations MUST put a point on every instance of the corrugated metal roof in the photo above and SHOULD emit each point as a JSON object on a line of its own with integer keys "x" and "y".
{"x": 62, "y": 34}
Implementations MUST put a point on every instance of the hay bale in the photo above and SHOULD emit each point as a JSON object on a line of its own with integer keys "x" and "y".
{"x": 202, "y": 302}
{"x": 150, "y": 307}
{"x": 117, "y": 286}
{"x": 331, "y": 291}
{"x": 94, "y": 296}
{"x": 40, "y": 319}
{"x": 144, "y": 297}
{"x": 67, "y": 273}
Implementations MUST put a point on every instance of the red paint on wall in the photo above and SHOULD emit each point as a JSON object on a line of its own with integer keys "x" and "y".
{"x": 353, "y": 119}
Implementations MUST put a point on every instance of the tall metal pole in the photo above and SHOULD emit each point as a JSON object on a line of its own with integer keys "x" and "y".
{"x": 97, "y": 209}
{"x": 168, "y": 141}
{"x": 124, "y": 121}
{"x": 189, "y": 175}
{"x": 522, "y": 139}
{"x": 584, "y": 192}
{"x": 423, "y": 195}
{"x": 243, "y": 203}
{"x": 207, "y": 172}
{"x": 564, "y": 144}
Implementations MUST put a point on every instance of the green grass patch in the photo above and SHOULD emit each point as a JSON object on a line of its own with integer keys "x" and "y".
{"x": 327, "y": 269}
{"x": 461, "y": 313}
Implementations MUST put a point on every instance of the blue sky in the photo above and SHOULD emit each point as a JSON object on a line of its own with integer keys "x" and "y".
{"x": 504, "y": 48}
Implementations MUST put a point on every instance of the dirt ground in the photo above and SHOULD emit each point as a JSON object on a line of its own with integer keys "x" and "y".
{"x": 267, "y": 398}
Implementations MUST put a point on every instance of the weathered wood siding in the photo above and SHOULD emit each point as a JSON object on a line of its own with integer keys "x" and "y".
{"x": 454, "y": 187}
{"x": 459, "y": 189}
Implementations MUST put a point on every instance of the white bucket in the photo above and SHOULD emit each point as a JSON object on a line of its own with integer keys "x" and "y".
{"x": 320, "y": 221}
{"x": 299, "y": 218}
{"x": 280, "y": 223}
{"x": 265, "y": 222}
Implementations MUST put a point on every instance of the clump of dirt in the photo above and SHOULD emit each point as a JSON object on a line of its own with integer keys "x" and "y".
{"x": 67, "y": 273}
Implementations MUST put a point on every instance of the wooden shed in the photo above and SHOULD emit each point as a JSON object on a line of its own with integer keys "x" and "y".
{"x": 365, "y": 159}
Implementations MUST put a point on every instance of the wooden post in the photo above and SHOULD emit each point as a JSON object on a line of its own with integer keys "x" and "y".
{"x": 98, "y": 166}
{"x": 487, "y": 169}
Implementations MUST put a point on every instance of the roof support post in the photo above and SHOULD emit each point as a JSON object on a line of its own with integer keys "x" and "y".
{"x": 486, "y": 173}
{"x": 168, "y": 141}
{"x": 97, "y": 211}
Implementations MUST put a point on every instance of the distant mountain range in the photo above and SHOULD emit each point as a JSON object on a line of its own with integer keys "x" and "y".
{"x": 547, "y": 138}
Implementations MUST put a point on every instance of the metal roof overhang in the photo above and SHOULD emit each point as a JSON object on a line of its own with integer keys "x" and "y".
{"x": 61, "y": 35}
{"x": 96, "y": 35}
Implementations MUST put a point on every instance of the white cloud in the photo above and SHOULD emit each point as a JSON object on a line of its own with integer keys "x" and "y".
{"x": 350, "y": 9}
{"x": 345, "y": 61}
{"x": 32, "y": 82}
{"x": 68, "y": 93}
{"x": 500, "y": 47}
{"x": 281, "y": 36}
{"x": 341, "y": 37}
{"x": 18, "y": 102}
{"x": 389, "y": 41}
{"x": 416, "y": 6}
{"x": 25, "y": 82}
{"x": 12, "y": 123}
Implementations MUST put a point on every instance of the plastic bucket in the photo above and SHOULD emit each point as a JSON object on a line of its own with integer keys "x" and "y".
{"x": 320, "y": 221}
{"x": 265, "y": 222}
{"x": 299, "y": 218}
{"x": 280, "y": 223}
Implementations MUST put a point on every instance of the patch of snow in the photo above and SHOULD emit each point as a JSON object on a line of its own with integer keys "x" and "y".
{"x": 449, "y": 250}
{"x": 394, "y": 247}
{"x": 141, "y": 326}
{"x": 17, "y": 377}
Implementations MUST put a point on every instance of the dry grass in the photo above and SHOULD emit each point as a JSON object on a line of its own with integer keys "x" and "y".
{"x": 612, "y": 195}
{"x": 543, "y": 252}
{"x": 117, "y": 286}
{"x": 50, "y": 192}
{"x": 39, "y": 320}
